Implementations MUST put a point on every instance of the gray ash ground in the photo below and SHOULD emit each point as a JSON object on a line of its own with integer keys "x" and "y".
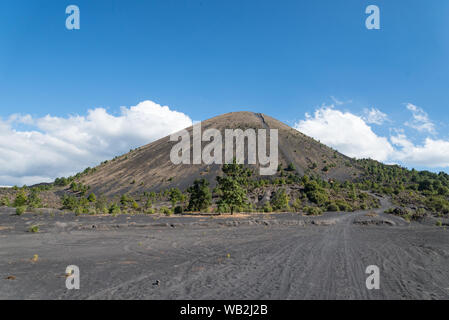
{"x": 276, "y": 256}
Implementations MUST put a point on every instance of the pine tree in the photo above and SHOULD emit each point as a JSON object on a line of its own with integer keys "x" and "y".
{"x": 200, "y": 196}
{"x": 231, "y": 186}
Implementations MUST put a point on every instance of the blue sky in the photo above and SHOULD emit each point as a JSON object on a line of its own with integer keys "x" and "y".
{"x": 204, "y": 58}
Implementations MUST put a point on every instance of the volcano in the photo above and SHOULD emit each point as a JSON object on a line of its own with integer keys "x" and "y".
{"x": 149, "y": 168}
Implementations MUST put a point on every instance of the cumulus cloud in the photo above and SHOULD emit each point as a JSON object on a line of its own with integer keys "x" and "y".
{"x": 374, "y": 116}
{"x": 346, "y": 132}
{"x": 61, "y": 146}
{"x": 420, "y": 120}
{"x": 432, "y": 153}
{"x": 352, "y": 135}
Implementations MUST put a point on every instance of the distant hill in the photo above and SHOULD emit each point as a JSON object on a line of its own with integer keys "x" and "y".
{"x": 149, "y": 168}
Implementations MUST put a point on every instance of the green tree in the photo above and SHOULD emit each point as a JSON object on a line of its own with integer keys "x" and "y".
{"x": 231, "y": 186}
{"x": 92, "y": 197}
{"x": 114, "y": 209}
{"x": 200, "y": 196}
{"x": 33, "y": 200}
{"x": 280, "y": 200}
{"x": 21, "y": 199}
{"x": 175, "y": 196}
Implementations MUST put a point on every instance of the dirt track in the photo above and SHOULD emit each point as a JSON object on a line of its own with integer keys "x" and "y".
{"x": 282, "y": 256}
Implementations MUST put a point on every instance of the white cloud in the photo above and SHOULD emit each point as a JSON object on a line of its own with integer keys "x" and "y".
{"x": 351, "y": 135}
{"x": 432, "y": 154}
{"x": 374, "y": 116}
{"x": 347, "y": 133}
{"x": 420, "y": 121}
{"x": 58, "y": 146}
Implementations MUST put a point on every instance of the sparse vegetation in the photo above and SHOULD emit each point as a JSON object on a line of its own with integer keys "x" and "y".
{"x": 20, "y": 210}
{"x": 280, "y": 200}
{"x": 34, "y": 229}
{"x": 21, "y": 199}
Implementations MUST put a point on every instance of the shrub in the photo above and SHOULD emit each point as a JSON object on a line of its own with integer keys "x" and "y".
{"x": 165, "y": 210}
{"x": 280, "y": 200}
{"x": 102, "y": 205}
{"x": 20, "y": 210}
{"x": 21, "y": 199}
{"x": 33, "y": 200}
{"x": 267, "y": 207}
{"x": 69, "y": 202}
{"x": 439, "y": 223}
{"x": 135, "y": 205}
{"x": 313, "y": 211}
{"x": 80, "y": 210}
{"x": 148, "y": 204}
{"x": 34, "y": 229}
{"x": 175, "y": 195}
{"x": 178, "y": 210}
{"x": 297, "y": 205}
{"x": 319, "y": 197}
{"x": 222, "y": 207}
{"x": 364, "y": 206}
{"x": 5, "y": 202}
{"x": 343, "y": 206}
{"x": 150, "y": 211}
{"x": 92, "y": 197}
{"x": 333, "y": 207}
{"x": 114, "y": 209}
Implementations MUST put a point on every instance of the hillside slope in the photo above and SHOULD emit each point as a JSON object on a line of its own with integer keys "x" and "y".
{"x": 149, "y": 168}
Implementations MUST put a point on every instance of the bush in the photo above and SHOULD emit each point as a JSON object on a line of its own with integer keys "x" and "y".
{"x": 69, "y": 202}
{"x": 5, "y": 202}
{"x": 297, "y": 205}
{"x": 439, "y": 223}
{"x": 165, "y": 210}
{"x": 222, "y": 207}
{"x": 135, "y": 205}
{"x": 319, "y": 197}
{"x": 114, "y": 209}
{"x": 20, "y": 210}
{"x": 21, "y": 199}
{"x": 178, "y": 210}
{"x": 333, "y": 207}
{"x": 34, "y": 229}
{"x": 150, "y": 211}
{"x": 280, "y": 200}
{"x": 313, "y": 211}
{"x": 33, "y": 200}
{"x": 267, "y": 207}
{"x": 92, "y": 197}
{"x": 343, "y": 206}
